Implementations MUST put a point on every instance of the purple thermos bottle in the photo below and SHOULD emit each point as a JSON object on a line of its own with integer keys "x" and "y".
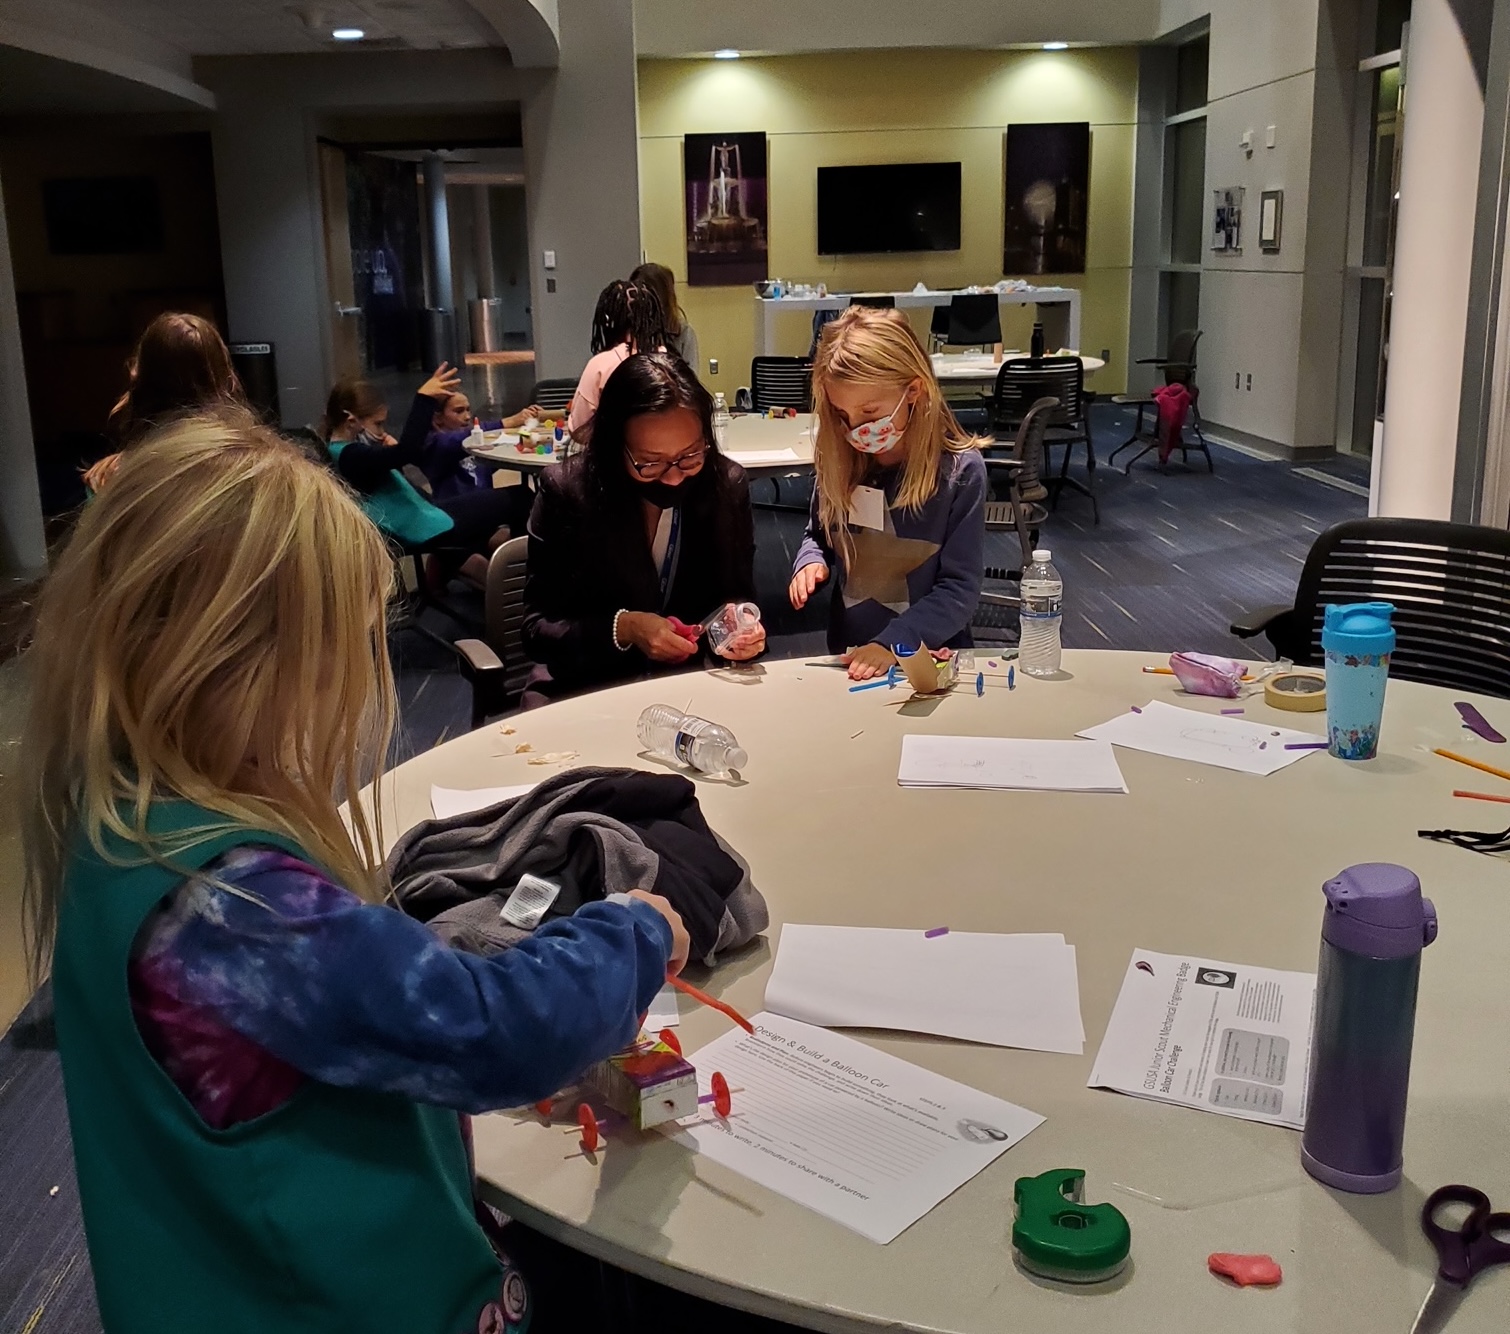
{"x": 1375, "y": 926}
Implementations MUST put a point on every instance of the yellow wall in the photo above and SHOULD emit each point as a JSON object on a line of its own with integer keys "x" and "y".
{"x": 891, "y": 106}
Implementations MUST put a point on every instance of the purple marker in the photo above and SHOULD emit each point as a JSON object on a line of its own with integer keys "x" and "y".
{"x": 1228, "y": 712}
{"x": 936, "y": 932}
{"x": 1305, "y": 745}
{"x": 1136, "y": 709}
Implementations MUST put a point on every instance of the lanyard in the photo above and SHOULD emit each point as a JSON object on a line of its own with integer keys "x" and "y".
{"x": 673, "y": 553}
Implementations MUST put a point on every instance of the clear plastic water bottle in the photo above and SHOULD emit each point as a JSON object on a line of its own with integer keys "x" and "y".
{"x": 720, "y": 420}
{"x": 689, "y": 740}
{"x": 1042, "y": 615}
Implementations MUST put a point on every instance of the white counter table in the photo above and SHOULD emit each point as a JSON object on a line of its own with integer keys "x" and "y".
{"x": 1196, "y": 859}
{"x": 1058, "y": 310}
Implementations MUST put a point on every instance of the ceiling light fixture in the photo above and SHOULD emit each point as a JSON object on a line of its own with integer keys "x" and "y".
{"x": 727, "y": 53}
{"x": 348, "y": 34}
{"x": 1055, "y": 46}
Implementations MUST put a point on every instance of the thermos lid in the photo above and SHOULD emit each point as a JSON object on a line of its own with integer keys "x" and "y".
{"x": 1359, "y": 627}
{"x": 1377, "y": 909}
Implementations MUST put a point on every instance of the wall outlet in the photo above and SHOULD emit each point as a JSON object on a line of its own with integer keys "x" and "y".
{"x": 712, "y": 365}
{"x": 550, "y": 284}
{"x": 1268, "y": 136}
{"x": 550, "y": 259}
{"x": 1106, "y": 355}
{"x": 1250, "y": 381}
{"x": 1237, "y": 379}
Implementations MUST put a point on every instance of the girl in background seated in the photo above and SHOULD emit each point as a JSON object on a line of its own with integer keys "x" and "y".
{"x": 681, "y": 337}
{"x": 181, "y": 364}
{"x": 372, "y": 461}
{"x": 451, "y": 470}
{"x": 650, "y": 522}
{"x": 629, "y": 319}
{"x": 264, "y": 1063}
{"x": 899, "y": 498}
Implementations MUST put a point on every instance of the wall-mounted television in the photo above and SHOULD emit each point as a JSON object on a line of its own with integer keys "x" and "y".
{"x": 896, "y": 206}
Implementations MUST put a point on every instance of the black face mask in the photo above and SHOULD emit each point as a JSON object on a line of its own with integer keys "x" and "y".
{"x": 665, "y": 496}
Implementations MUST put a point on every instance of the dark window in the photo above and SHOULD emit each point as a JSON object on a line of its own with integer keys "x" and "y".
{"x": 102, "y": 215}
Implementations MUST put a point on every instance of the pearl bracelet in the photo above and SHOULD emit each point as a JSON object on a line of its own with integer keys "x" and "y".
{"x": 622, "y": 648}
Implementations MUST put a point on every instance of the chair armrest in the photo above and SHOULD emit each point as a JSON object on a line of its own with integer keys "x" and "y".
{"x": 1250, "y": 623}
{"x": 1005, "y": 465}
{"x": 477, "y": 657}
{"x": 1131, "y": 400}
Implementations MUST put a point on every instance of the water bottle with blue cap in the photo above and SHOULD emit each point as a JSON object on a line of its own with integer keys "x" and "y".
{"x": 1356, "y": 640}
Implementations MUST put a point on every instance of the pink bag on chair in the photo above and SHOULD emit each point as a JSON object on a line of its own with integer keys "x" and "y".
{"x": 1174, "y": 407}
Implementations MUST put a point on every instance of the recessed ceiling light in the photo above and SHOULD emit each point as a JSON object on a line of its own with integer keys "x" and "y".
{"x": 728, "y": 53}
{"x": 348, "y": 34}
{"x": 1055, "y": 46}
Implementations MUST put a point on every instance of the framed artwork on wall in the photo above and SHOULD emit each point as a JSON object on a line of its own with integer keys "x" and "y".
{"x": 1227, "y": 219}
{"x": 1047, "y": 177}
{"x": 724, "y": 186}
{"x": 1271, "y": 213}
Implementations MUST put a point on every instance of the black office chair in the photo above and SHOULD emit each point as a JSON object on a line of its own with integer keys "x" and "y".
{"x": 1450, "y": 585}
{"x": 496, "y": 665}
{"x": 883, "y": 301}
{"x": 1020, "y": 383}
{"x": 554, "y": 395}
{"x": 938, "y": 329}
{"x": 1178, "y": 367}
{"x": 974, "y": 320}
{"x": 1023, "y": 509}
{"x": 781, "y": 382}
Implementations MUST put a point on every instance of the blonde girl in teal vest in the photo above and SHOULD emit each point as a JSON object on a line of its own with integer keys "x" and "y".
{"x": 210, "y": 678}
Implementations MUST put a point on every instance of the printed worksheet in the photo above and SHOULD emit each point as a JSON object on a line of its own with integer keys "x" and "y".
{"x": 1009, "y": 763}
{"x": 1220, "y": 1037}
{"x": 1206, "y": 738}
{"x": 863, "y": 1138}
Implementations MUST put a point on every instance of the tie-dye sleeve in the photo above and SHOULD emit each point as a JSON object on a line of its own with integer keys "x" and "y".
{"x": 364, "y": 997}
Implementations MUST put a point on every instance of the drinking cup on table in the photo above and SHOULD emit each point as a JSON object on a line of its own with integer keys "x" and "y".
{"x": 1356, "y": 640}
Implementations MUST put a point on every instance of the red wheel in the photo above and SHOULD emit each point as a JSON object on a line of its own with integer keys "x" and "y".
{"x": 589, "y": 1124}
{"x": 667, "y": 1036}
{"x": 722, "y": 1102}
{"x": 544, "y": 1107}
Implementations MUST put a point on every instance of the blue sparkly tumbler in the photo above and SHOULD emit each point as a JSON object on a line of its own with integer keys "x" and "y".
{"x": 1356, "y": 640}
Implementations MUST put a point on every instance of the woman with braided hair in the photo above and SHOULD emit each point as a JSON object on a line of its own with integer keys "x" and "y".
{"x": 629, "y": 319}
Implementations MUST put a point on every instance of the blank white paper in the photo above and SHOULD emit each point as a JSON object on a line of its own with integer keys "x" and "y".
{"x": 1005, "y": 990}
{"x": 663, "y": 1012}
{"x": 1009, "y": 763}
{"x": 1205, "y": 738}
{"x": 761, "y": 458}
{"x": 861, "y": 1137}
{"x": 448, "y": 801}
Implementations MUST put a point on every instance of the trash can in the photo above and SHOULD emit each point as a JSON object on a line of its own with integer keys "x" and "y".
{"x": 256, "y": 366}
{"x": 487, "y": 323}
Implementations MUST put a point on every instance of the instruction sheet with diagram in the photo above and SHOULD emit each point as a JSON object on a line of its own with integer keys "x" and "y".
{"x": 1221, "y": 1037}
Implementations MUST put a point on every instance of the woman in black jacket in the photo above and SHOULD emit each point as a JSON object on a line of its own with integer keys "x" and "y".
{"x": 648, "y": 529}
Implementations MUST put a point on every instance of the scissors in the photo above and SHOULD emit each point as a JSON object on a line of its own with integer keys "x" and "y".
{"x": 1463, "y": 1252}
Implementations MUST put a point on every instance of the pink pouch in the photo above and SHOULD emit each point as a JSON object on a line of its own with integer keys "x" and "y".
{"x": 1206, "y": 674}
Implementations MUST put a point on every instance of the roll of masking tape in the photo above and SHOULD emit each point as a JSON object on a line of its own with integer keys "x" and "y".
{"x": 1296, "y": 692}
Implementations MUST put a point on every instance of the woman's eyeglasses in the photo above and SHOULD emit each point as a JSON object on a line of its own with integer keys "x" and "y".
{"x": 690, "y": 462}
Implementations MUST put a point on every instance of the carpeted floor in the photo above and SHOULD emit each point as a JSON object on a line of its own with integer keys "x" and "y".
{"x": 1174, "y": 557}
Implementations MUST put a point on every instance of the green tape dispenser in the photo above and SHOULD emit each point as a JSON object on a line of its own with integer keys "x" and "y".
{"x": 1056, "y": 1235}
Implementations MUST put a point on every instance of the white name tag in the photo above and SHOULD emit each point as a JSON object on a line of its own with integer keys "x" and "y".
{"x": 867, "y": 508}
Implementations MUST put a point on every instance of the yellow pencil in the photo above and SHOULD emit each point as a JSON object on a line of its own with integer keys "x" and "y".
{"x": 1472, "y": 764}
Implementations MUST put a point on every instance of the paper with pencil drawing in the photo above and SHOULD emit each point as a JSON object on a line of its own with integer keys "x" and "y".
{"x": 1005, "y": 990}
{"x": 1206, "y": 738}
{"x": 1009, "y": 763}
{"x": 863, "y": 1138}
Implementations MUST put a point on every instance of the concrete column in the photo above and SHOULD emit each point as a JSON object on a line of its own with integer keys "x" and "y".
{"x": 1439, "y": 167}
{"x": 438, "y": 280}
{"x": 23, "y": 542}
{"x": 482, "y": 241}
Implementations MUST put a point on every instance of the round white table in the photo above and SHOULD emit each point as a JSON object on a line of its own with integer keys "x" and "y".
{"x": 1196, "y": 859}
{"x": 762, "y": 445}
{"x": 982, "y": 367}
